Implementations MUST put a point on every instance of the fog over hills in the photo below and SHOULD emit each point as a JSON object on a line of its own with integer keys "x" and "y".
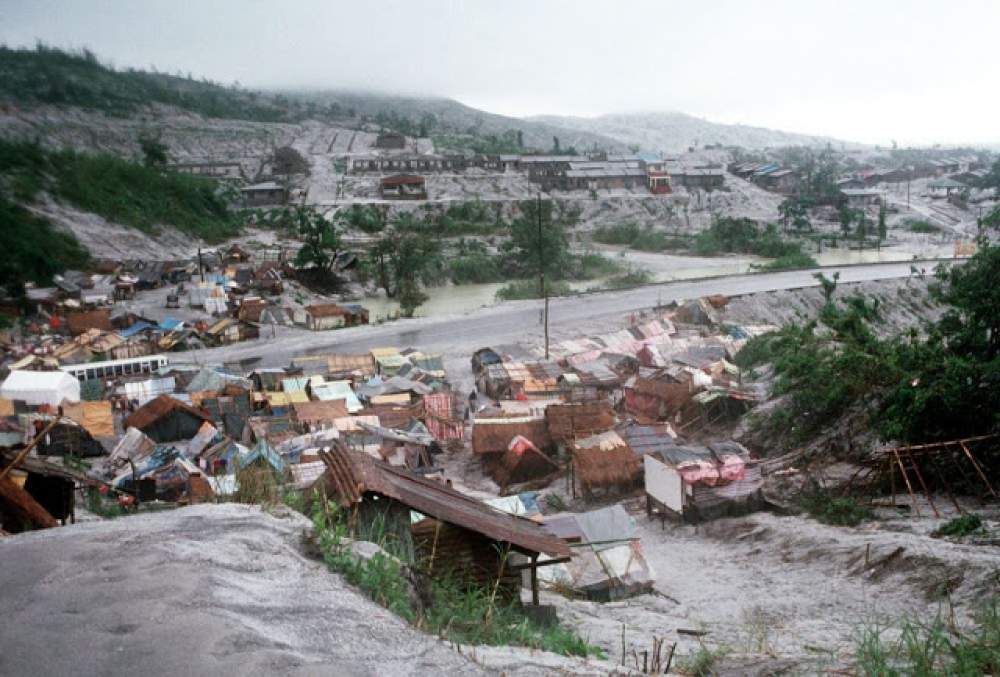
{"x": 673, "y": 132}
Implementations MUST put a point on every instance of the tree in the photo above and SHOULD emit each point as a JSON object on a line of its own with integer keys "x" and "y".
{"x": 847, "y": 216}
{"x": 286, "y": 160}
{"x": 321, "y": 242}
{"x": 520, "y": 139}
{"x": 883, "y": 230}
{"x": 555, "y": 145}
{"x": 400, "y": 262}
{"x": 154, "y": 151}
{"x": 537, "y": 246}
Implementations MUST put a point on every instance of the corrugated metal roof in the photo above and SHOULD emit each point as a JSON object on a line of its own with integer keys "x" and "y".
{"x": 350, "y": 475}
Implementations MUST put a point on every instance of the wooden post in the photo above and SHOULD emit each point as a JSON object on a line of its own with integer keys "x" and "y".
{"x": 906, "y": 478}
{"x": 978, "y": 469}
{"x": 920, "y": 478}
{"x": 534, "y": 579}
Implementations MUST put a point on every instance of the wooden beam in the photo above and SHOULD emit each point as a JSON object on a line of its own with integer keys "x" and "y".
{"x": 534, "y": 564}
{"x": 920, "y": 478}
{"x": 23, "y": 506}
{"x": 906, "y": 478}
{"x": 978, "y": 469}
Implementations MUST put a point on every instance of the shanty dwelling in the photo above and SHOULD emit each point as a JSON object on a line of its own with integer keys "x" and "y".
{"x": 860, "y": 198}
{"x": 458, "y": 539}
{"x": 605, "y": 463}
{"x": 323, "y": 316}
{"x": 608, "y": 562}
{"x": 390, "y": 141}
{"x": 659, "y": 181}
{"x": 658, "y": 395}
{"x": 403, "y": 187}
{"x": 523, "y": 462}
{"x": 698, "y": 483}
{"x": 165, "y": 419}
{"x": 784, "y": 181}
{"x": 67, "y": 438}
{"x": 491, "y": 441}
{"x": 267, "y": 193}
{"x": 566, "y": 422}
{"x": 944, "y": 187}
{"x": 41, "y": 387}
{"x": 702, "y": 179}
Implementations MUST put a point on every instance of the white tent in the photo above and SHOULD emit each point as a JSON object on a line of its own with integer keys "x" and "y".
{"x": 41, "y": 387}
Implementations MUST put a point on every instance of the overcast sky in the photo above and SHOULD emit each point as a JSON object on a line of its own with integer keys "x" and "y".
{"x": 917, "y": 71}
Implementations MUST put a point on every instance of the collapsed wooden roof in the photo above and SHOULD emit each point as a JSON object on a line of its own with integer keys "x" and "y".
{"x": 350, "y": 475}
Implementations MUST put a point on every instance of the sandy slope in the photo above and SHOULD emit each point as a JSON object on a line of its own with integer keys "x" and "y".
{"x": 219, "y": 590}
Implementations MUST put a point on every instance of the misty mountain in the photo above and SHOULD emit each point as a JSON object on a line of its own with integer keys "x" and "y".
{"x": 671, "y": 132}
{"x": 453, "y": 117}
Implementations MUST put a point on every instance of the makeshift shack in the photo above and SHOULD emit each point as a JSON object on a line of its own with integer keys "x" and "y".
{"x": 457, "y": 537}
{"x": 166, "y": 419}
{"x": 604, "y": 462}
{"x": 608, "y": 562}
{"x": 693, "y": 484}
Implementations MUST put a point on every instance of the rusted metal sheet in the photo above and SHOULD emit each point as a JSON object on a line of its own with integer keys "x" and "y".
{"x": 350, "y": 475}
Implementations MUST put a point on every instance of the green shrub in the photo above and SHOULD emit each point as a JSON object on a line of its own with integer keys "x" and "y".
{"x": 844, "y": 511}
{"x": 960, "y": 526}
{"x": 518, "y": 290}
{"x": 922, "y": 226}
{"x": 930, "y": 648}
{"x": 796, "y": 260}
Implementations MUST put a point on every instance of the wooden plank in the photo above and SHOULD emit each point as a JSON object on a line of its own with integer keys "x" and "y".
{"x": 24, "y": 506}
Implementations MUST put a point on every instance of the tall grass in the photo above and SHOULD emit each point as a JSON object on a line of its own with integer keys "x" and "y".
{"x": 458, "y": 613}
{"x": 938, "y": 647}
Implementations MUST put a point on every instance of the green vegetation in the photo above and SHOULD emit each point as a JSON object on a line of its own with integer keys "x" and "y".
{"x": 321, "y": 243}
{"x": 367, "y": 218}
{"x": 960, "y": 526}
{"x": 743, "y": 236}
{"x": 929, "y": 385}
{"x": 635, "y": 237}
{"x": 472, "y": 263}
{"x": 464, "y": 614}
{"x": 937, "y": 647}
{"x": 36, "y": 249}
{"x": 845, "y": 511}
{"x": 519, "y": 290}
{"x": 52, "y": 76}
{"x": 100, "y": 506}
{"x": 795, "y": 260}
{"x": 124, "y": 192}
{"x": 632, "y": 277}
{"x": 922, "y": 226}
{"x": 400, "y": 262}
{"x": 506, "y": 143}
{"x": 702, "y": 662}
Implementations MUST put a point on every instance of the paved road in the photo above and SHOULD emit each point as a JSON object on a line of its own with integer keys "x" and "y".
{"x": 518, "y": 322}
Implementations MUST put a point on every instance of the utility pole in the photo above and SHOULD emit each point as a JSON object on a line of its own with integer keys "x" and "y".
{"x": 541, "y": 274}
{"x": 201, "y": 267}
